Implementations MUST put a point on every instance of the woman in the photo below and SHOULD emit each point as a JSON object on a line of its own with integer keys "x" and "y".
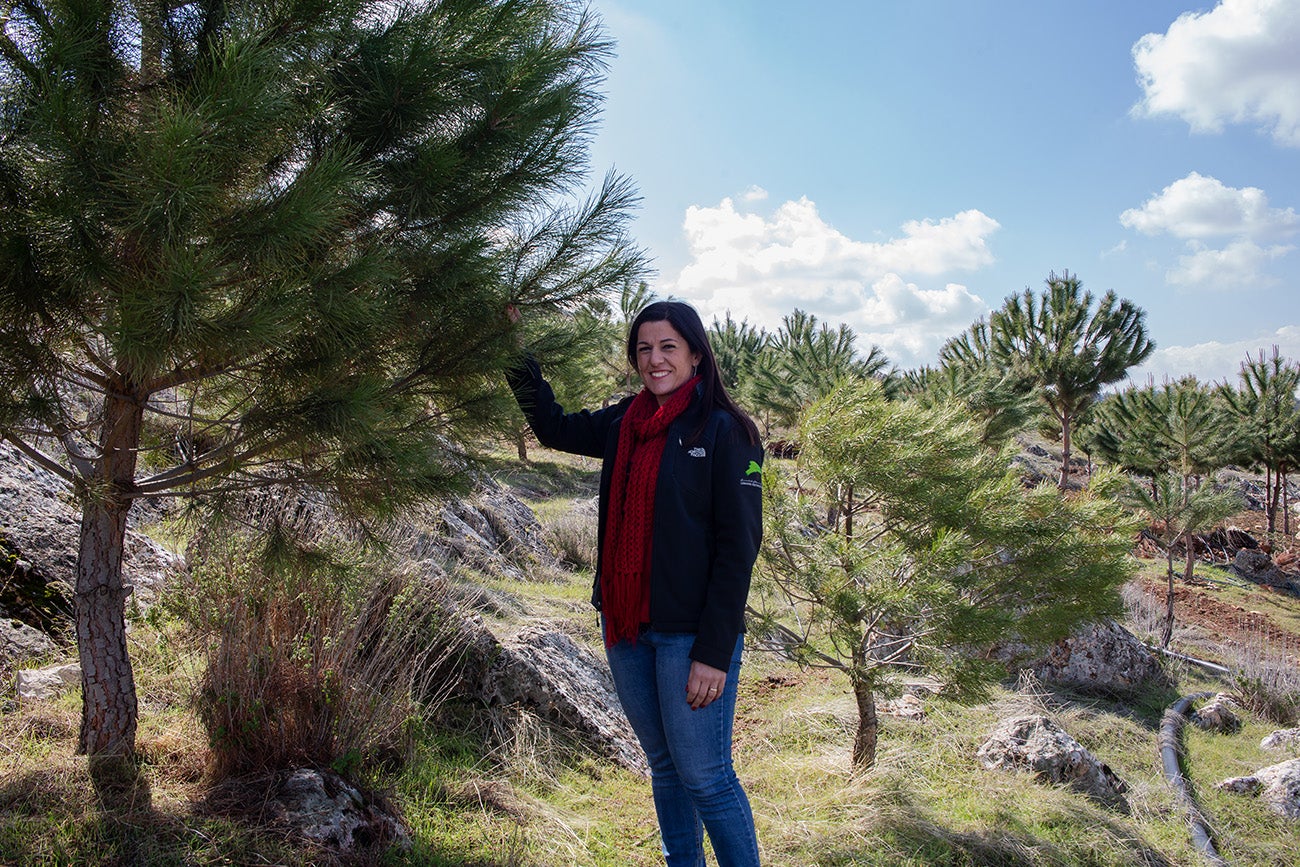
{"x": 679, "y": 526}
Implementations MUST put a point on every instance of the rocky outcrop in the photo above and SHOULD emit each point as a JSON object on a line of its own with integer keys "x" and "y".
{"x": 492, "y": 532}
{"x": 1277, "y": 785}
{"x": 1035, "y": 744}
{"x": 20, "y": 642}
{"x": 1103, "y": 658}
{"x": 40, "y": 528}
{"x": 322, "y": 807}
{"x": 1257, "y": 566}
{"x": 544, "y": 670}
{"x": 1282, "y": 739}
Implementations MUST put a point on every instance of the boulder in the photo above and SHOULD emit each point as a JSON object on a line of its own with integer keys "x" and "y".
{"x": 1278, "y": 785}
{"x": 1257, "y": 566}
{"x": 1217, "y": 715}
{"x": 544, "y": 670}
{"x": 41, "y": 684}
{"x": 322, "y": 807}
{"x": 19, "y": 642}
{"x": 1035, "y": 744}
{"x": 41, "y": 526}
{"x": 1101, "y": 657}
{"x": 1281, "y": 739}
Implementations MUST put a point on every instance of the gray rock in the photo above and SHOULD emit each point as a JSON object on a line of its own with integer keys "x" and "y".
{"x": 1036, "y": 744}
{"x": 19, "y": 642}
{"x": 1281, "y": 739}
{"x": 1217, "y": 715}
{"x": 1099, "y": 657}
{"x": 905, "y": 706}
{"x": 1257, "y": 566}
{"x": 547, "y": 672}
{"x": 323, "y": 808}
{"x": 492, "y": 532}
{"x": 1278, "y": 785}
{"x": 42, "y": 684}
{"x": 40, "y": 519}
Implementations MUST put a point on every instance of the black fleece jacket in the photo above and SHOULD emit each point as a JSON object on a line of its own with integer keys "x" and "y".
{"x": 708, "y": 510}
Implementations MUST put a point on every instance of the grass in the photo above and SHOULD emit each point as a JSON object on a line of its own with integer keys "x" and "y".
{"x": 500, "y": 788}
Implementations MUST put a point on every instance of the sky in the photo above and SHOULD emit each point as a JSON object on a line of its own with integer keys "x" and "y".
{"x": 904, "y": 167}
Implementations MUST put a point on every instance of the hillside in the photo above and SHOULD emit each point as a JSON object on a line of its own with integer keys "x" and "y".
{"x": 501, "y": 786}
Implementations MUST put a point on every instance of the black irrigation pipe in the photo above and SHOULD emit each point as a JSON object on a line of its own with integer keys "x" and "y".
{"x": 1170, "y": 746}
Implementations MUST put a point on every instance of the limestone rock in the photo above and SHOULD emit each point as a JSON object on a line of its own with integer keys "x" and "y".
{"x": 1217, "y": 715}
{"x": 322, "y": 807}
{"x": 1036, "y": 744}
{"x": 41, "y": 522}
{"x": 549, "y": 673}
{"x": 18, "y": 641}
{"x": 40, "y": 684}
{"x": 905, "y": 706}
{"x": 1101, "y": 657}
{"x": 1278, "y": 785}
{"x": 1281, "y": 739}
{"x": 492, "y": 531}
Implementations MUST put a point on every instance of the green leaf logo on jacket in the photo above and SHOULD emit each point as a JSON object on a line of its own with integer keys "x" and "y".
{"x": 754, "y": 468}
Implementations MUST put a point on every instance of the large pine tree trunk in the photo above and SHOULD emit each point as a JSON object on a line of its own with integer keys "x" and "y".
{"x": 864, "y": 743}
{"x": 109, "y": 713}
{"x": 108, "y": 709}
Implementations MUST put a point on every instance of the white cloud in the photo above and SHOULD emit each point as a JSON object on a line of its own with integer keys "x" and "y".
{"x": 754, "y": 193}
{"x": 1239, "y": 264}
{"x": 1215, "y": 361}
{"x": 1237, "y": 63}
{"x": 1198, "y": 206}
{"x": 760, "y": 268}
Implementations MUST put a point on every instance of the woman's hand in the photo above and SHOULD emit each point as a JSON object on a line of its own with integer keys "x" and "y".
{"x": 704, "y": 684}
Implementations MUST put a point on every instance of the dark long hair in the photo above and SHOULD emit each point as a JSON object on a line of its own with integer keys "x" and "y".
{"x": 683, "y": 318}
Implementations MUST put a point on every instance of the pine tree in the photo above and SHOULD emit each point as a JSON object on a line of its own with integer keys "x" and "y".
{"x": 1266, "y": 418}
{"x": 258, "y": 243}
{"x": 1068, "y": 347}
{"x": 934, "y": 553}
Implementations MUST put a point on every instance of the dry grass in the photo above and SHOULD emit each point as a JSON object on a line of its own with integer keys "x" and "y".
{"x": 311, "y": 658}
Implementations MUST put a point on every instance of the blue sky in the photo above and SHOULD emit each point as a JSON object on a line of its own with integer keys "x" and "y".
{"x": 905, "y": 166}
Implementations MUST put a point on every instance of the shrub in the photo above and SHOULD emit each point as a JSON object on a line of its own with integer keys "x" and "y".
{"x": 315, "y": 656}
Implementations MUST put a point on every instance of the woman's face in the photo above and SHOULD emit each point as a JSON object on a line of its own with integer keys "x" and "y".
{"x": 663, "y": 359}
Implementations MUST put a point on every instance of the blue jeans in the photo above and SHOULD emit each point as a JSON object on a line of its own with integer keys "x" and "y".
{"x": 689, "y": 751}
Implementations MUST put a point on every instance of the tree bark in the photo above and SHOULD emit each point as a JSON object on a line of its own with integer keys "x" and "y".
{"x": 864, "y": 743}
{"x": 1271, "y": 492}
{"x": 1065, "y": 452}
{"x": 109, "y": 711}
{"x": 1168, "y": 632}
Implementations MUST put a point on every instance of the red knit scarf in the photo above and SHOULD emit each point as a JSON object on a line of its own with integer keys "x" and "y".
{"x": 625, "y": 566}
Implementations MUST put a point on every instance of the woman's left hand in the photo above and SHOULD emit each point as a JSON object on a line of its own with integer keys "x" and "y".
{"x": 704, "y": 684}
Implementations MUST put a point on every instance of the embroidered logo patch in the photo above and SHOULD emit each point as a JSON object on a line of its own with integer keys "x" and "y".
{"x": 754, "y": 468}
{"x": 697, "y": 452}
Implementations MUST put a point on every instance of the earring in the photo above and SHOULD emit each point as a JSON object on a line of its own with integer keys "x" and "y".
{"x": 693, "y": 369}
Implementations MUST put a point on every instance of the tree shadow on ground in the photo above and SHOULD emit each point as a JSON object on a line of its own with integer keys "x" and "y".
{"x": 909, "y": 835}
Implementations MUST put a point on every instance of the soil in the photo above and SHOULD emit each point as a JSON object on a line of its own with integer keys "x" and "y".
{"x": 1199, "y": 603}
